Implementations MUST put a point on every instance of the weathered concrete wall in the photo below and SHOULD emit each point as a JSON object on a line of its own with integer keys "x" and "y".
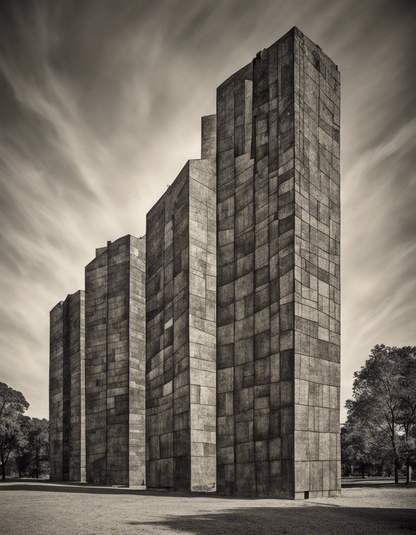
{"x": 56, "y": 353}
{"x": 317, "y": 271}
{"x": 115, "y": 363}
{"x": 137, "y": 358}
{"x": 67, "y": 402}
{"x": 278, "y": 274}
{"x": 76, "y": 378}
{"x": 96, "y": 368}
{"x": 180, "y": 336}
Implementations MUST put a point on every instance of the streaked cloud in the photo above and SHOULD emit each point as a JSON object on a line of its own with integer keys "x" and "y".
{"x": 379, "y": 247}
{"x": 101, "y": 107}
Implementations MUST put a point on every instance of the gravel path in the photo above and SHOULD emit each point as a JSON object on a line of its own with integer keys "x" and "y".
{"x": 43, "y": 508}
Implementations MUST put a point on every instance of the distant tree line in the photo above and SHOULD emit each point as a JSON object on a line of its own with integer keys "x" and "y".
{"x": 379, "y": 436}
{"x": 24, "y": 441}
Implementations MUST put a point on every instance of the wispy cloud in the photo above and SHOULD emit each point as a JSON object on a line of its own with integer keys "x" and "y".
{"x": 101, "y": 106}
{"x": 379, "y": 248}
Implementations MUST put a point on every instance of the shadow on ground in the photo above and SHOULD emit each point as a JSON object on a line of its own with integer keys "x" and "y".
{"x": 307, "y": 519}
{"x": 17, "y": 484}
{"x": 37, "y": 485}
{"x": 375, "y": 483}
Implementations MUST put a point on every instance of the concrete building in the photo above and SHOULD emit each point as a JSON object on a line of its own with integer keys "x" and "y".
{"x": 66, "y": 392}
{"x": 242, "y": 308}
{"x": 278, "y": 216}
{"x": 181, "y": 328}
{"x": 115, "y": 364}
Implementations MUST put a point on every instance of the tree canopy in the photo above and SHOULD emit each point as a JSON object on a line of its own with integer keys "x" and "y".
{"x": 12, "y": 406}
{"x": 24, "y": 441}
{"x": 382, "y": 414}
{"x": 38, "y": 442}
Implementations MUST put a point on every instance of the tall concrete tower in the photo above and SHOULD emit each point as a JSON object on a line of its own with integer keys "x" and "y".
{"x": 66, "y": 389}
{"x": 181, "y": 328}
{"x": 115, "y": 364}
{"x": 278, "y": 330}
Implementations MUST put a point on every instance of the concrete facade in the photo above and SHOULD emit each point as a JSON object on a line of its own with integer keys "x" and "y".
{"x": 115, "y": 364}
{"x": 66, "y": 392}
{"x": 181, "y": 327}
{"x": 278, "y": 274}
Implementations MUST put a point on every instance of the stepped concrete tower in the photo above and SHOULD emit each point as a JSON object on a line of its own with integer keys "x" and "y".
{"x": 181, "y": 328}
{"x": 278, "y": 278}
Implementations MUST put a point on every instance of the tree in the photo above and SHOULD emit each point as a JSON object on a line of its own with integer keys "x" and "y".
{"x": 38, "y": 443}
{"x": 384, "y": 406}
{"x": 31, "y": 452}
{"x": 407, "y": 395}
{"x": 21, "y": 452}
{"x": 363, "y": 447}
{"x": 12, "y": 406}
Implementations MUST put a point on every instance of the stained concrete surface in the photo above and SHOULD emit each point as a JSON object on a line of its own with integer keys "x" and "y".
{"x": 366, "y": 507}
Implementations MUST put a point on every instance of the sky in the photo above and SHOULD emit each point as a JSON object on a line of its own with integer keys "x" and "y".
{"x": 100, "y": 107}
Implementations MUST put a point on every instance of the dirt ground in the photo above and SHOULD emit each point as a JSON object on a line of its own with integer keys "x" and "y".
{"x": 42, "y": 508}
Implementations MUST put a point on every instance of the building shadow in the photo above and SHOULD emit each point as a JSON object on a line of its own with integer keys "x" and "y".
{"x": 375, "y": 483}
{"x": 27, "y": 484}
{"x": 294, "y": 520}
{"x": 86, "y": 488}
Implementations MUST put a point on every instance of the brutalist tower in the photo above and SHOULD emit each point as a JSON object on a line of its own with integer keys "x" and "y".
{"x": 115, "y": 364}
{"x": 181, "y": 328}
{"x": 278, "y": 279}
{"x": 66, "y": 389}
